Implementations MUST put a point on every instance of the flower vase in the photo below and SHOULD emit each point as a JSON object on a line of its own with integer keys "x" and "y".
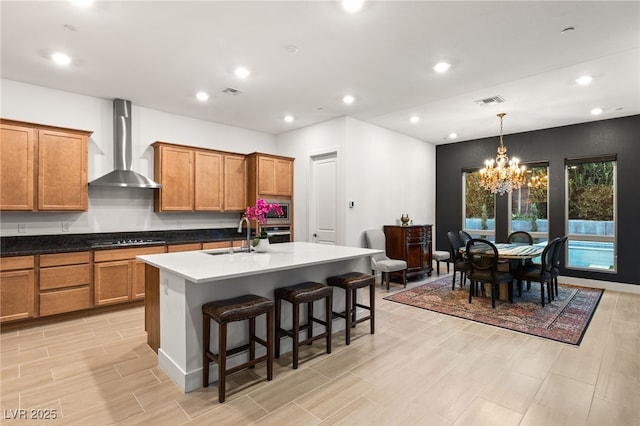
{"x": 262, "y": 246}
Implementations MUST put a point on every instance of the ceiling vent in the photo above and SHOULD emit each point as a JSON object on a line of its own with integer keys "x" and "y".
{"x": 491, "y": 100}
{"x": 231, "y": 91}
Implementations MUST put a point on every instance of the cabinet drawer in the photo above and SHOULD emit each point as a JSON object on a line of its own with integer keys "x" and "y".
{"x": 125, "y": 253}
{"x": 18, "y": 262}
{"x": 221, "y": 244}
{"x": 184, "y": 247}
{"x": 64, "y": 276}
{"x": 60, "y": 259}
{"x": 57, "y": 302}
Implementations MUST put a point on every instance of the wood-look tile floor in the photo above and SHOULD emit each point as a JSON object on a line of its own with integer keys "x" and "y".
{"x": 419, "y": 368}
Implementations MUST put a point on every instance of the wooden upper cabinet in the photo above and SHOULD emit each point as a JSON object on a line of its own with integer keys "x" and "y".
{"x": 208, "y": 181}
{"x": 173, "y": 168}
{"x": 17, "y": 160}
{"x": 198, "y": 179}
{"x": 273, "y": 175}
{"x": 235, "y": 182}
{"x": 43, "y": 168}
{"x": 62, "y": 173}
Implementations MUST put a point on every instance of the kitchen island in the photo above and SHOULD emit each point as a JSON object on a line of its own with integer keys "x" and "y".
{"x": 184, "y": 281}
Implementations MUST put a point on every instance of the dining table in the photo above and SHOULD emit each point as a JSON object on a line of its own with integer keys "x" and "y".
{"x": 514, "y": 252}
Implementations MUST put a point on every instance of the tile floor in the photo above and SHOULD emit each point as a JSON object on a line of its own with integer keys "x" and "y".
{"x": 420, "y": 368}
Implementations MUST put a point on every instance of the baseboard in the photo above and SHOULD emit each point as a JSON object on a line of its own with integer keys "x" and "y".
{"x": 607, "y": 285}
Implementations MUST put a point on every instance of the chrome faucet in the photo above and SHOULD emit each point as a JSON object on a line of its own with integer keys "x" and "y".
{"x": 243, "y": 219}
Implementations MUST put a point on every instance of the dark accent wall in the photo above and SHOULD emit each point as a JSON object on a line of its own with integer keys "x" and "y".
{"x": 619, "y": 136}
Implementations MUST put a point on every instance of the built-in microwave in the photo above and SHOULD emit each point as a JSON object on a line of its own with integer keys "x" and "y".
{"x": 273, "y": 218}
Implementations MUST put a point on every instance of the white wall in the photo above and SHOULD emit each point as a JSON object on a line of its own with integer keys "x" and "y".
{"x": 118, "y": 209}
{"x": 385, "y": 173}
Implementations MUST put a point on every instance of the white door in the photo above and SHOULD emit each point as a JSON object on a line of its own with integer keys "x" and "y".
{"x": 323, "y": 201}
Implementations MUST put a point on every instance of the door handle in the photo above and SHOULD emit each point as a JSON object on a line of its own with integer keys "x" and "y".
{"x": 315, "y": 235}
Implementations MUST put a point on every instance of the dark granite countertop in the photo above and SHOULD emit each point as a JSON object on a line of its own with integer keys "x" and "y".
{"x": 61, "y": 243}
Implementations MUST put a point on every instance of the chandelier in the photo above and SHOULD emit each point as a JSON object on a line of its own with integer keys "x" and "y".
{"x": 538, "y": 182}
{"x": 502, "y": 175}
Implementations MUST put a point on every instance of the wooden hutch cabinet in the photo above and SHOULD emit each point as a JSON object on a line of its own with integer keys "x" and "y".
{"x": 412, "y": 244}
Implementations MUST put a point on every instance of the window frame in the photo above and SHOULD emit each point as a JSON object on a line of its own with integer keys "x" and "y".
{"x": 592, "y": 237}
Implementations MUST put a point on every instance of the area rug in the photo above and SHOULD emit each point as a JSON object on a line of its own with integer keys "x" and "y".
{"x": 565, "y": 319}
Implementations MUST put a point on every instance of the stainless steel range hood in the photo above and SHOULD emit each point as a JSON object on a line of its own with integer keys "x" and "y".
{"x": 123, "y": 176}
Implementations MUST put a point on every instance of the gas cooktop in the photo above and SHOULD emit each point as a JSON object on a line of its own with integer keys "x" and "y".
{"x": 125, "y": 242}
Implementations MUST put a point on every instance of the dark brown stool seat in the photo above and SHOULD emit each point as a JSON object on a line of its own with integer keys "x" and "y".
{"x": 307, "y": 292}
{"x": 351, "y": 282}
{"x": 241, "y": 308}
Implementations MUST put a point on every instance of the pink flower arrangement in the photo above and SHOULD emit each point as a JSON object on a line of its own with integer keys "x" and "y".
{"x": 261, "y": 208}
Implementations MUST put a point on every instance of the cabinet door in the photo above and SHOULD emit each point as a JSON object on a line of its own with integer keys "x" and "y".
{"x": 112, "y": 282}
{"x": 17, "y": 295}
{"x": 284, "y": 177}
{"x": 62, "y": 171}
{"x": 17, "y": 149}
{"x": 266, "y": 176}
{"x": 208, "y": 181}
{"x": 175, "y": 173}
{"x": 235, "y": 183}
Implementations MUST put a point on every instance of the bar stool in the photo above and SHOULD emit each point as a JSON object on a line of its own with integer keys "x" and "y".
{"x": 351, "y": 282}
{"x": 241, "y": 308}
{"x": 307, "y": 292}
{"x": 441, "y": 256}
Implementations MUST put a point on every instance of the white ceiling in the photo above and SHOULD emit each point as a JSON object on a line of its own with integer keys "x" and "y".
{"x": 158, "y": 54}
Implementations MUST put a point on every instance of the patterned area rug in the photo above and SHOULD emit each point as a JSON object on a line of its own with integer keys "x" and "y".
{"x": 565, "y": 319}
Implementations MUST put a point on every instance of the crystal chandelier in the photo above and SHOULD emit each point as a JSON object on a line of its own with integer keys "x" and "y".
{"x": 502, "y": 175}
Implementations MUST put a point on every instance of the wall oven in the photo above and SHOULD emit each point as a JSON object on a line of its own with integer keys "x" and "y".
{"x": 285, "y": 219}
{"x": 278, "y": 234}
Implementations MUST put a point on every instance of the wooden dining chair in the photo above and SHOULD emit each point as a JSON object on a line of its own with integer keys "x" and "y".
{"x": 483, "y": 259}
{"x": 542, "y": 273}
{"x": 459, "y": 262}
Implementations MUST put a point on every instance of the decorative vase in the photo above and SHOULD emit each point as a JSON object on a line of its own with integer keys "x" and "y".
{"x": 404, "y": 219}
{"x": 262, "y": 246}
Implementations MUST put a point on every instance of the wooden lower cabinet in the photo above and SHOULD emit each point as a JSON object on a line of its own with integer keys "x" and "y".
{"x": 412, "y": 244}
{"x": 17, "y": 289}
{"x": 65, "y": 282}
{"x": 118, "y": 277}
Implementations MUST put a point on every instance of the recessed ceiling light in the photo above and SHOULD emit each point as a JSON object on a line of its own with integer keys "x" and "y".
{"x": 441, "y": 66}
{"x": 242, "y": 72}
{"x": 348, "y": 99}
{"x": 61, "y": 58}
{"x": 289, "y": 118}
{"x": 414, "y": 119}
{"x": 352, "y": 6}
{"x": 202, "y": 96}
{"x": 584, "y": 80}
{"x": 453, "y": 135}
{"x": 596, "y": 111}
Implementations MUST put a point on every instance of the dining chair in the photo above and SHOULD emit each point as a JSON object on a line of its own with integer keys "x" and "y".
{"x": 520, "y": 237}
{"x": 459, "y": 261}
{"x": 464, "y": 237}
{"x": 557, "y": 260}
{"x": 542, "y": 273}
{"x": 376, "y": 239}
{"x": 483, "y": 259}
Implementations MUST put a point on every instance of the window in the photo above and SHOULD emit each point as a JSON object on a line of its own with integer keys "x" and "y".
{"x": 478, "y": 208}
{"x": 529, "y": 204}
{"x": 591, "y": 213}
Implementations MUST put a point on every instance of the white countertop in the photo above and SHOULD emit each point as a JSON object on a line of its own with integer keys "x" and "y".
{"x": 202, "y": 266}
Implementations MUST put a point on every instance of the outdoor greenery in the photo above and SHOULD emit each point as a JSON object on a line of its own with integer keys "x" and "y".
{"x": 591, "y": 191}
{"x": 479, "y": 201}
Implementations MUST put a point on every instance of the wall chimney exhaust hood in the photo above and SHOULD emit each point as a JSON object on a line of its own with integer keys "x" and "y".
{"x": 122, "y": 176}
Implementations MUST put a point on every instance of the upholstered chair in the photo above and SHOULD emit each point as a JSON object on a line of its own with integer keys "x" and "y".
{"x": 381, "y": 262}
